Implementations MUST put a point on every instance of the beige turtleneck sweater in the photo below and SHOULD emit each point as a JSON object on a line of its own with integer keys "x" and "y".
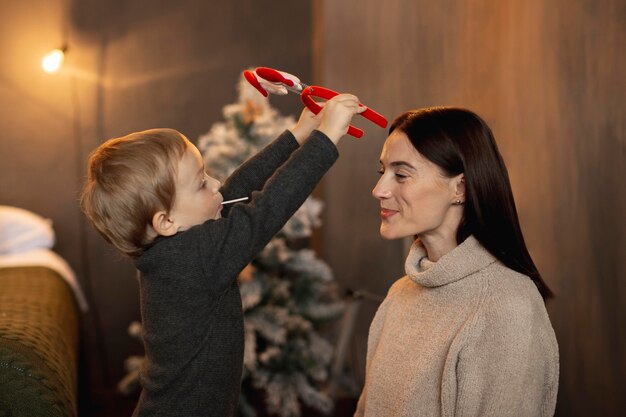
{"x": 465, "y": 336}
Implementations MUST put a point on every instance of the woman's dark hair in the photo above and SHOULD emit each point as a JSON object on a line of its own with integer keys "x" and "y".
{"x": 459, "y": 141}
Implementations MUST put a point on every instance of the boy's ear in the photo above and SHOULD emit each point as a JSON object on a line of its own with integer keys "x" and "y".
{"x": 162, "y": 225}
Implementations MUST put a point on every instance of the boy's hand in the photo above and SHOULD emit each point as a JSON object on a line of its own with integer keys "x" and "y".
{"x": 337, "y": 114}
{"x": 306, "y": 124}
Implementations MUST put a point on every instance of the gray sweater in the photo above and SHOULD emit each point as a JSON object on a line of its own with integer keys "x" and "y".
{"x": 465, "y": 336}
{"x": 190, "y": 302}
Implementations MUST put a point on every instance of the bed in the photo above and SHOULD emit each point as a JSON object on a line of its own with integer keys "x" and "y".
{"x": 40, "y": 307}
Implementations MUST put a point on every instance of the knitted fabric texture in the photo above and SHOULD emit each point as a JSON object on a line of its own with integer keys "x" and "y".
{"x": 38, "y": 344}
{"x": 464, "y": 336}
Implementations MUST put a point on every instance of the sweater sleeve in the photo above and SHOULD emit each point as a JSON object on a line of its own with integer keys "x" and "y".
{"x": 509, "y": 364}
{"x": 252, "y": 174}
{"x": 227, "y": 245}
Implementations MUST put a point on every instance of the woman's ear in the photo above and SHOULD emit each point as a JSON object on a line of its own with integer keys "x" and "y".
{"x": 162, "y": 224}
{"x": 459, "y": 184}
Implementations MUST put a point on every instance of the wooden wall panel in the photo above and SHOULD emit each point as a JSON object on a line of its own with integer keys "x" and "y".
{"x": 548, "y": 76}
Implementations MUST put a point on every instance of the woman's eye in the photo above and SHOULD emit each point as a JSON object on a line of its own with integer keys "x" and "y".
{"x": 381, "y": 171}
{"x": 203, "y": 185}
{"x": 400, "y": 176}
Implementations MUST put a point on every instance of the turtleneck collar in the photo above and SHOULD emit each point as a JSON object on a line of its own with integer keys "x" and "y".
{"x": 469, "y": 257}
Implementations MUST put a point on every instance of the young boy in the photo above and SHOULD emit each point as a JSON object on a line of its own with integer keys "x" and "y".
{"x": 147, "y": 193}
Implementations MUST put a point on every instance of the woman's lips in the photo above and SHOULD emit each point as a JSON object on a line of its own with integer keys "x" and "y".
{"x": 387, "y": 213}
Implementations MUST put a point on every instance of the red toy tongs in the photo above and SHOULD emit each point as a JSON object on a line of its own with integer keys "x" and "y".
{"x": 278, "y": 82}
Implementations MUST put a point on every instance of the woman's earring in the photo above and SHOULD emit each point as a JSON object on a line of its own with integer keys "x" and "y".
{"x": 457, "y": 203}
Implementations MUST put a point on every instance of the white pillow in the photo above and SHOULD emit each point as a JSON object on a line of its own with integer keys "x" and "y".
{"x": 22, "y": 230}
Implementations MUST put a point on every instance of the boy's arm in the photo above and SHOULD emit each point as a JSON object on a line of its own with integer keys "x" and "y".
{"x": 253, "y": 173}
{"x": 227, "y": 245}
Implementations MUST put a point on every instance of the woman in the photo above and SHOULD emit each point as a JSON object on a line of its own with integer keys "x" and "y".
{"x": 465, "y": 332}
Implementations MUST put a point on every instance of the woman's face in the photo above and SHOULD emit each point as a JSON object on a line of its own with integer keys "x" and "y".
{"x": 416, "y": 198}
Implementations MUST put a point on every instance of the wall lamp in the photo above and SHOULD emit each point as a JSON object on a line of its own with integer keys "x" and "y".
{"x": 53, "y": 60}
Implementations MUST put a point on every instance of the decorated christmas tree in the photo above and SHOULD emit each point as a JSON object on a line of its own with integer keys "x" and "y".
{"x": 288, "y": 293}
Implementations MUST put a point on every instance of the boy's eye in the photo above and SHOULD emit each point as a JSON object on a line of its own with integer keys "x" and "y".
{"x": 203, "y": 184}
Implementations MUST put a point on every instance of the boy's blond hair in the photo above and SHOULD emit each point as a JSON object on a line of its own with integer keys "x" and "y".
{"x": 129, "y": 179}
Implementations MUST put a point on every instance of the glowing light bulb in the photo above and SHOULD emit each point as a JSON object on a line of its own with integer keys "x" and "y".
{"x": 53, "y": 60}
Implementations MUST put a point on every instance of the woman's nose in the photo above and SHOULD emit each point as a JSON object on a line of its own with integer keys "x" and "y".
{"x": 380, "y": 191}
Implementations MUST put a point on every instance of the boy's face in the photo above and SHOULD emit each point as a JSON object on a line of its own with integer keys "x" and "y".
{"x": 197, "y": 195}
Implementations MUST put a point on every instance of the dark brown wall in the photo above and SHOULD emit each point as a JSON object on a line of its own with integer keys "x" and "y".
{"x": 130, "y": 66}
{"x": 548, "y": 76}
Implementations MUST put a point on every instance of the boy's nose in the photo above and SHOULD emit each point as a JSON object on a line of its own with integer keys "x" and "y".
{"x": 215, "y": 185}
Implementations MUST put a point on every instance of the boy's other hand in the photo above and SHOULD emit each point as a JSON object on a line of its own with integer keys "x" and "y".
{"x": 337, "y": 114}
{"x": 306, "y": 124}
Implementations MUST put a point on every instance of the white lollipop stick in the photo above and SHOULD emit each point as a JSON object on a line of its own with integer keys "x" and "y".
{"x": 235, "y": 200}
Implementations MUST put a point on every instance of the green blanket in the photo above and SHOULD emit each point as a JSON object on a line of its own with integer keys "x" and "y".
{"x": 38, "y": 344}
